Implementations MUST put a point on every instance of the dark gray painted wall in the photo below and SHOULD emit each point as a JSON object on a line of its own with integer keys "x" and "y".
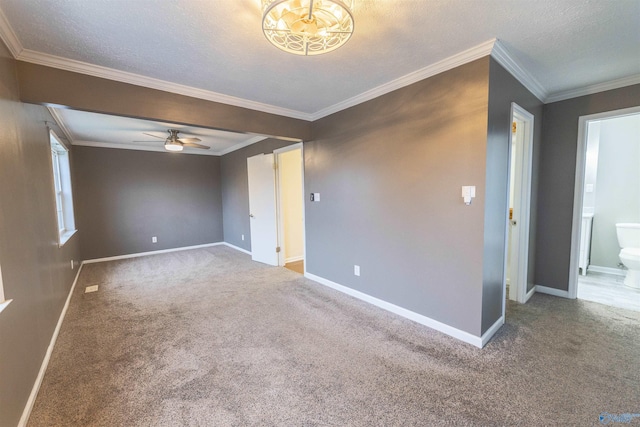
{"x": 503, "y": 90}
{"x": 37, "y": 274}
{"x": 557, "y": 178}
{"x": 235, "y": 190}
{"x": 389, "y": 172}
{"x": 124, "y": 197}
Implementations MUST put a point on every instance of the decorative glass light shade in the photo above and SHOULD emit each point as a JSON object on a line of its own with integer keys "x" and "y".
{"x": 173, "y": 146}
{"x": 307, "y": 27}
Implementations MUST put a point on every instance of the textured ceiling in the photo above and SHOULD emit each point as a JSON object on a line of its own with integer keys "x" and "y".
{"x": 218, "y": 45}
{"x": 100, "y": 130}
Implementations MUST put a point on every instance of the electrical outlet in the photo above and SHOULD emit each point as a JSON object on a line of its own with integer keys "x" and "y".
{"x": 356, "y": 270}
{"x": 154, "y": 239}
{"x": 90, "y": 289}
{"x": 243, "y": 237}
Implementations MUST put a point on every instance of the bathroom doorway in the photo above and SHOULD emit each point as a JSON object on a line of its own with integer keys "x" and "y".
{"x": 517, "y": 247}
{"x": 607, "y": 192}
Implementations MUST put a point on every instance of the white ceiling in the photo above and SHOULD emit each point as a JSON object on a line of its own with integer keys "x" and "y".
{"x": 101, "y": 130}
{"x": 215, "y": 49}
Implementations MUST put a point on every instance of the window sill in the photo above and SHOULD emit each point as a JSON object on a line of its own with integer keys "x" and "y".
{"x": 4, "y": 304}
{"x": 65, "y": 237}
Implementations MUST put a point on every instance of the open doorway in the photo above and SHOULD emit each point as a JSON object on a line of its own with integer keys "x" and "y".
{"x": 290, "y": 205}
{"x": 517, "y": 247}
{"x": 607, "y": 209}
{"x": 276, "y": 207}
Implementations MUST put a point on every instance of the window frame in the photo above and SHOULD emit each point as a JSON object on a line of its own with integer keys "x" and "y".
{"x": 62, "y": 190}
{"x": 3, "y": 302}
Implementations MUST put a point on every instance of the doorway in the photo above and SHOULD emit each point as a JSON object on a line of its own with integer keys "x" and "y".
{"x": 607, "y": 186}
{"x": 517, "y": 245}
{"x": 290, "y": 205}
{"x": 276, "y": 206}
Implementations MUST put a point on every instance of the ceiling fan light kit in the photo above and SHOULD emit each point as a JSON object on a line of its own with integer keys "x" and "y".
{"x": 307, "y": 27}
{"x": 176, "y": 143}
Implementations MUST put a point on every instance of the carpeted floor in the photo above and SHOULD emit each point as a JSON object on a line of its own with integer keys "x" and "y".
{"x": 209, "y": 338}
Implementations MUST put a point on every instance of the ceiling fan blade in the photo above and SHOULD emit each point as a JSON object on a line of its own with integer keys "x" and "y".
{"x": 159, "y": 137}
{"x": 194, "y": 145}
{"x": 188, "y": 140}
{"x": 144, "y": 141}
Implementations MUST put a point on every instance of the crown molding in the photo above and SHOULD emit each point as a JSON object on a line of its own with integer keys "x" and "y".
{"x": 509, "y": 62}
{"x": 58, "y": 62}
{"x": 61, "y": 124}
{"x": 449, "y": 63}
{"x": 142, "y": 148}
{"x": 9, "y": 37}
{"x": 590, "y": 90}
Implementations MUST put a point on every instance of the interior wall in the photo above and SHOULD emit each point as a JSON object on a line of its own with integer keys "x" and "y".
{"x": 125, "y": 197}
{"x": 290, "y": 167}
{"x": 617, "y": 190}
{"x": 389, "y": 172}
{"x": 503, "y": 90}
{"x": 557, "y": 178}
{"x": 36, "y": 274}
{"x": 235, "y": 190}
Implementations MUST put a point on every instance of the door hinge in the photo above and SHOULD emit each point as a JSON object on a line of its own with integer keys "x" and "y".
{"x": 277, "y": 249}
{"x": 514, "y": 127}
{"x": 275, "y": 166}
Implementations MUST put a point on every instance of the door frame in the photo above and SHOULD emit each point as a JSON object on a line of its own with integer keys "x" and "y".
{"x": 522, "y": 205}
{"x": 279, "y": 216}
{"x": 578, "y": 191}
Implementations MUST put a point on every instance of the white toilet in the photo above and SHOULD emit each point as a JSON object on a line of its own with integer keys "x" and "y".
{"x": 629, "y": 241}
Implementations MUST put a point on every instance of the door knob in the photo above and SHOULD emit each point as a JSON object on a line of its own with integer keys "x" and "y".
{"x": 250, "y": 215}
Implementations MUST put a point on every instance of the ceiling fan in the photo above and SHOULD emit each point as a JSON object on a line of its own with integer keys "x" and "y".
{"x": 175, "y": 143}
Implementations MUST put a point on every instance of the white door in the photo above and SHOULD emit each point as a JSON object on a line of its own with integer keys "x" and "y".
{"x": 517, "y": 254}
{"x": 262, "y": 209}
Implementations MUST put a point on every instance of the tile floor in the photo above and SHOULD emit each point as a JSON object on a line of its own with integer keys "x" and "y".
{"x": 608, "y": 289}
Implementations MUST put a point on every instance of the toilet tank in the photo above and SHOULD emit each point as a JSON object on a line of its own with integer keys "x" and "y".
{"x": 628, "y": 234}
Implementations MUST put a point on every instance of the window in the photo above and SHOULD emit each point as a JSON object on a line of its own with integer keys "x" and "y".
{"x": 62, "y": 189}
{"x": 3, "y": 303}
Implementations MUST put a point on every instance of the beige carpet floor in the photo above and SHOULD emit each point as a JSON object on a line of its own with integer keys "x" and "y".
{"x": 209, "y": 338}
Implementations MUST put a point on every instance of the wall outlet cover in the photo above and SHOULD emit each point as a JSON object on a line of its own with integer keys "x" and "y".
{"x": 90, "y": 289}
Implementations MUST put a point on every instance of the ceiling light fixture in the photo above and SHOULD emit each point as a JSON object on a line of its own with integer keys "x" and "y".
{"x": 307, "y": 27}
{"x": 173, "y": 146}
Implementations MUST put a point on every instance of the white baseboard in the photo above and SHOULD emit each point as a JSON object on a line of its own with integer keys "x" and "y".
{"x": 491, "y": 331}
{"x": 529, "y": 294}
{"x": 551, "y": 291}
{"x": 162, "y": 251}
{"x": 236, "y": 248}
{"x": 294, "y": 259}
{"x": 45, "y": 362}
{"x": 423, "y": 320}
{"x": 607, "y": 270}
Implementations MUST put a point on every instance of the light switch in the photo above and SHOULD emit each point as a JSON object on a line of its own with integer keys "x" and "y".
{"x": 315, "y": 197}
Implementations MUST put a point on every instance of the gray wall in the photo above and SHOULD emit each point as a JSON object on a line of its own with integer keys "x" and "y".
{"x": 36, "y": 273}
{"x": 124, "y": 197}
{"x": 503, "y": 90}
{"x": 235, "y": 190}
{"x": 557, "y": 178}
{"x": 389, "y": 172}
{"x": 617, "y": 195}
